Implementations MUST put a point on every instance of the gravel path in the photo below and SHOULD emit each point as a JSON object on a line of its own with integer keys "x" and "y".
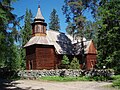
{"x": 48, "y": 85}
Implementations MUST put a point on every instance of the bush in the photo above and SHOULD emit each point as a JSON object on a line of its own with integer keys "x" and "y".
{"x": 116, "y": 83}
{"x": 74, "y": 64}
{"x": 116, "y": 77}
{"x": 117, "y": 69}
{"x": 64, "y": 63}
{"x": 99, "y": 78}
{"x": 65, "y": 60}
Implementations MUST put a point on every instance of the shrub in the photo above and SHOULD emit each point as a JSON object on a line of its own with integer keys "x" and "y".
{"x": 74, "y": 64}
{"x": 117, "y": 69}
{"x": 116, "y": 83}
{"x": 65, "y": 60}
{"x": 64, "y": 63}
{"x": 116, "y": 77}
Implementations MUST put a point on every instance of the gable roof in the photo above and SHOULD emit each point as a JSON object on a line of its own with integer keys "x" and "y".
{"x": 91, "y": 48}
{"x": 63, "y": 43}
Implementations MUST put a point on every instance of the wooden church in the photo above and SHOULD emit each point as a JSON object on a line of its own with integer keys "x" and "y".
{"x": 46, "y": 48}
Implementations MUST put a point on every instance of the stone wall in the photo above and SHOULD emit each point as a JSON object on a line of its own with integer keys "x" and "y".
{"x": 63, "y": 72}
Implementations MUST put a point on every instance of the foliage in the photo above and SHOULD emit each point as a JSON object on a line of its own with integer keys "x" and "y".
{"x": 64, "y": 63}
{"x": 99, "y": 78}
{"x": 74, "y": 16}
{"x": 9, "y": 57}
{"x": 90, "y": 31}
{"x": 26, "y": 33}
{"x": 54, "y": 21}
{"x": 109, "y": 34}
{"x": 116, "y": 83}
{"x": 73, "y": 11}
{"x": 12, "y": 60}
{"x": 65, "y": 60}
{"x": 77, "y": 25}
{"x": 116, "y": 77}
{"x": 4, "y": 19}
{"x": 74, "y": 64}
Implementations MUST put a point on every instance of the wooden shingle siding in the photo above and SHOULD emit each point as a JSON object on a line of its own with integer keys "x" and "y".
{"x": 90, "y": 61}
{"x": 30, "y": 56}
{"x": 45, "y": 57}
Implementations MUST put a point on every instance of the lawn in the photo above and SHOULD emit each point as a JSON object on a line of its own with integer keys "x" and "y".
{"x": 116, "y": 81}
{"x": 64, "y": 79}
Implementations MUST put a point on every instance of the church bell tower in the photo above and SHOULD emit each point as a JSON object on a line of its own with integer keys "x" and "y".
{"x": 40, "y": 54}
{"x": 39, "y": 25}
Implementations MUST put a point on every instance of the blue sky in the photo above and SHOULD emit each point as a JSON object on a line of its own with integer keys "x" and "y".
{"x": 46, "y": 8}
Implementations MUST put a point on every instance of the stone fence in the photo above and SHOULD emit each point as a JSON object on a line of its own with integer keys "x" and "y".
{"x": 63, "y": 72}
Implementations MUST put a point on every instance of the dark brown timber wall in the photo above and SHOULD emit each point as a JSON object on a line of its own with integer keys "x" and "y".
{"x": 45, "y": 57}
{"x": 90, "y": 61}
{"x": 30, "y": 57}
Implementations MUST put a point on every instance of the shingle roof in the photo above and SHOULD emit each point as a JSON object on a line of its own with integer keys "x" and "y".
{"x": 60, "y": 41}
{"x": 37, "y": 40}
{"x": 63, "y": 43}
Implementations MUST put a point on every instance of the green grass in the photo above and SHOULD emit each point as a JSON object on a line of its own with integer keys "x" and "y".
{"x": 116, "y": 77}
{"x": 116, "y": 82}
{"x": 81, "y": 78}
{"x": 64, "y": 79}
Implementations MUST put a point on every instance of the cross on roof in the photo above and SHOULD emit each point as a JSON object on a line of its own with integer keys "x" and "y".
{"x": 38, "y": 3}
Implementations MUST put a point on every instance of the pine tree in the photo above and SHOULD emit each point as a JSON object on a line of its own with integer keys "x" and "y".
{"x": 74, "y": 12}
{"x": 74, "y": 16}
{"x": 64, "y": 63}
{"x": 54, "y": 21}
{"x": 4, "y": 19}
{"x": 109, "y": 33}
{"x": 74, "y": 64}
{"x": 12, "y": 60}
{"x": 26, "y": 33}
{"x": 65, "y": 60}
{"x": 90, "y": 31}
{"x": 8, "y": 52}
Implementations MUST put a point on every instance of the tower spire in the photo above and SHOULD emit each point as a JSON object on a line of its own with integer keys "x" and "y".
{"x": 39, "y": 25}
{"x": 39, "y": 14}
